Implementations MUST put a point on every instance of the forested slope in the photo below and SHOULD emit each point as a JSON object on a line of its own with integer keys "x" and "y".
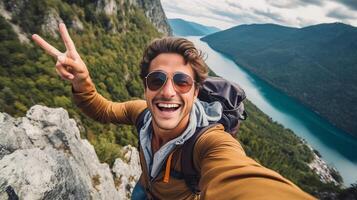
{"x": 110, "y": 44}
{"x": 317, "y": 64}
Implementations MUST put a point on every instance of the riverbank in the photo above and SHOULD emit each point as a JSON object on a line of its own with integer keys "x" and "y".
{"x": 336, "y": 147}
{"x": 326, "y": 173}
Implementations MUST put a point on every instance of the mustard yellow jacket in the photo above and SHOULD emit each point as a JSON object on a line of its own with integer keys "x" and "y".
{"x": 226, "y": 171}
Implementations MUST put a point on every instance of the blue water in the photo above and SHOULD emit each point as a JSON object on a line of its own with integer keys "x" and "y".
{"x": 337, "y": 148}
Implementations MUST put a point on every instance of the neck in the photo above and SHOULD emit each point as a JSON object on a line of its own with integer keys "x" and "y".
{"x": 162, "y": 136}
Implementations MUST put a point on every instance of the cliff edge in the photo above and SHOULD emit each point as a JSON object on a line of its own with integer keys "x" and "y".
{"x": 43, "y": 157}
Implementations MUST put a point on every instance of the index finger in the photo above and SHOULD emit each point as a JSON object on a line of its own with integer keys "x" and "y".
{"x": 47, "y": 47}
{"x": 66, "y": 38}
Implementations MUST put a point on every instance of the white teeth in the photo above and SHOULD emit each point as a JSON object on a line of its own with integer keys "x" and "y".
{"x": 166, "y": 105}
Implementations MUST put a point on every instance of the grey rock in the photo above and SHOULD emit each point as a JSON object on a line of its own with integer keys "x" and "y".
{"x": 321, "y": 168}
{"x": 152, "y": 10}
{"x": 8, "y": 16}
{"x": 50, "y": 24}
{"x": 127, "y": 171}
{"x": 109, "y": 6}
{"x": 43, "y": 157}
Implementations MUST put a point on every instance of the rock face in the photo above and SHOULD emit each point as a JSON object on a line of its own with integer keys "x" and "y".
{"x": 154, "y": 12}
{"x": 127, "y": 171}
{"x": 324, "y": 171}
{"x": 7, "y": 15}
{"x": 43, "y": 157}
{"x": 113, "y": 9}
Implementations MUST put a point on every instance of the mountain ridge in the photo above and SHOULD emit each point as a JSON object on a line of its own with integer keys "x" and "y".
{"x": 182, "y": 27}
{"x": 322, "y": 56}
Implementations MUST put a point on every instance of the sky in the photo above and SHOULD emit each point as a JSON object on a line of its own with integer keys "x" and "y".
{"x": 224, "y": 14}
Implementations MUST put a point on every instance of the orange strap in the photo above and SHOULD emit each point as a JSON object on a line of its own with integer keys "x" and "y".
{"x": 168, "y": 168}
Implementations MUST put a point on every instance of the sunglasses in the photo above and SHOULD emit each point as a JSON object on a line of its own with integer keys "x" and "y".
{"x": 155, "y": 80}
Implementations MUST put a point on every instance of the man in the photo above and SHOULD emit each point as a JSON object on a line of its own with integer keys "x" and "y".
{"x": 172, "y": 70}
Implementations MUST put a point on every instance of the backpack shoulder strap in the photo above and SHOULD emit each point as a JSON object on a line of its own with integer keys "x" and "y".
{"x": 190, "y": 173}
{"x": 140, "y": 123}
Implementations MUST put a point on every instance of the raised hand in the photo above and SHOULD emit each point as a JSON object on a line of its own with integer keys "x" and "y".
{"x": 69, "y": 64}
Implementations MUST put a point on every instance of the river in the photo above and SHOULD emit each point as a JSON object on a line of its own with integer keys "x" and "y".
{"x": 337, "y": 148}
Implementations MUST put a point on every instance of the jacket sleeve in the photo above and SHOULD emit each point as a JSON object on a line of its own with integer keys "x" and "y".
{"x": 227, "y": 173}
{"x": 100, "y": 109}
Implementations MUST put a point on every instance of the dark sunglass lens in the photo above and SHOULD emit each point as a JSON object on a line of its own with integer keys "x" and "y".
{"x": 155, "y": 80}
{"x": 183, "y": 82}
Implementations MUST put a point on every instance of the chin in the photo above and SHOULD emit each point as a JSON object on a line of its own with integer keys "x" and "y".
{"x": 166, "y": 124}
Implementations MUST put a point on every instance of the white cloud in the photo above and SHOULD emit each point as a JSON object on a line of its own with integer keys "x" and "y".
{"x": 227, "y": 13}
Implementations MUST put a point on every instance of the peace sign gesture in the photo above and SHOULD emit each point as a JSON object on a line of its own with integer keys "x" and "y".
{"x": 69, "y": 64}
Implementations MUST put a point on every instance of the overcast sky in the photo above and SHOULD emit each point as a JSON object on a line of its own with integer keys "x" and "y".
{"x": 296, "y": 13}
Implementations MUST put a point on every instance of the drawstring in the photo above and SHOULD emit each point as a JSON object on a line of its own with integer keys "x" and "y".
{"x": 168, "y": 168}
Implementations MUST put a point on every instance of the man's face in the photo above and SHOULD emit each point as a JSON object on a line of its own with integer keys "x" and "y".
{"x": 170, "y": 109}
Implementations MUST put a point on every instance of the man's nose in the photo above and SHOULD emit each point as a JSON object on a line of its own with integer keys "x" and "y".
{"x": 168, "y": 89}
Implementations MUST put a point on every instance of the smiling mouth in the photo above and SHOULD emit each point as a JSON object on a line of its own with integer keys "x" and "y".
{"x": 168, "y": 107}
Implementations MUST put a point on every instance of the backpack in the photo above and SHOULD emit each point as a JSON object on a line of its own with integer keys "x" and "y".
{"x": 231, "y": 97}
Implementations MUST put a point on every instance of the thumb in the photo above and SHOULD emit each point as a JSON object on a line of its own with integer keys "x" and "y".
{"x": 64, "y": 60}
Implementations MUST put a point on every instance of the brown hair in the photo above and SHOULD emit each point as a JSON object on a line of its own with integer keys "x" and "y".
{"x": 180, "y": 46}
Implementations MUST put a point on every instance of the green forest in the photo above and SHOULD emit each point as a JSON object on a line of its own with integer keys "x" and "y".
{"x": 280, "y": 149}
{"x": 112, "y": 48}
{"x": 315, "y": 64}
{"x": 28, "y": 76}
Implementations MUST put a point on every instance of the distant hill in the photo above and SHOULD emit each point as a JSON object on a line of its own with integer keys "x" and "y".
{"x": 317, "y": 64}
{"x": 182, "y": 27}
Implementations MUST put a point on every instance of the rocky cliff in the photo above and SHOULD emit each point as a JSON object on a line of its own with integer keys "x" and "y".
{"x": 154, "y": 12}
{"x": 110, "y": 36}
{"x": 43, "y": 157}
{"x": 111, "y": 13}
{"x": 152, "y": 9}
